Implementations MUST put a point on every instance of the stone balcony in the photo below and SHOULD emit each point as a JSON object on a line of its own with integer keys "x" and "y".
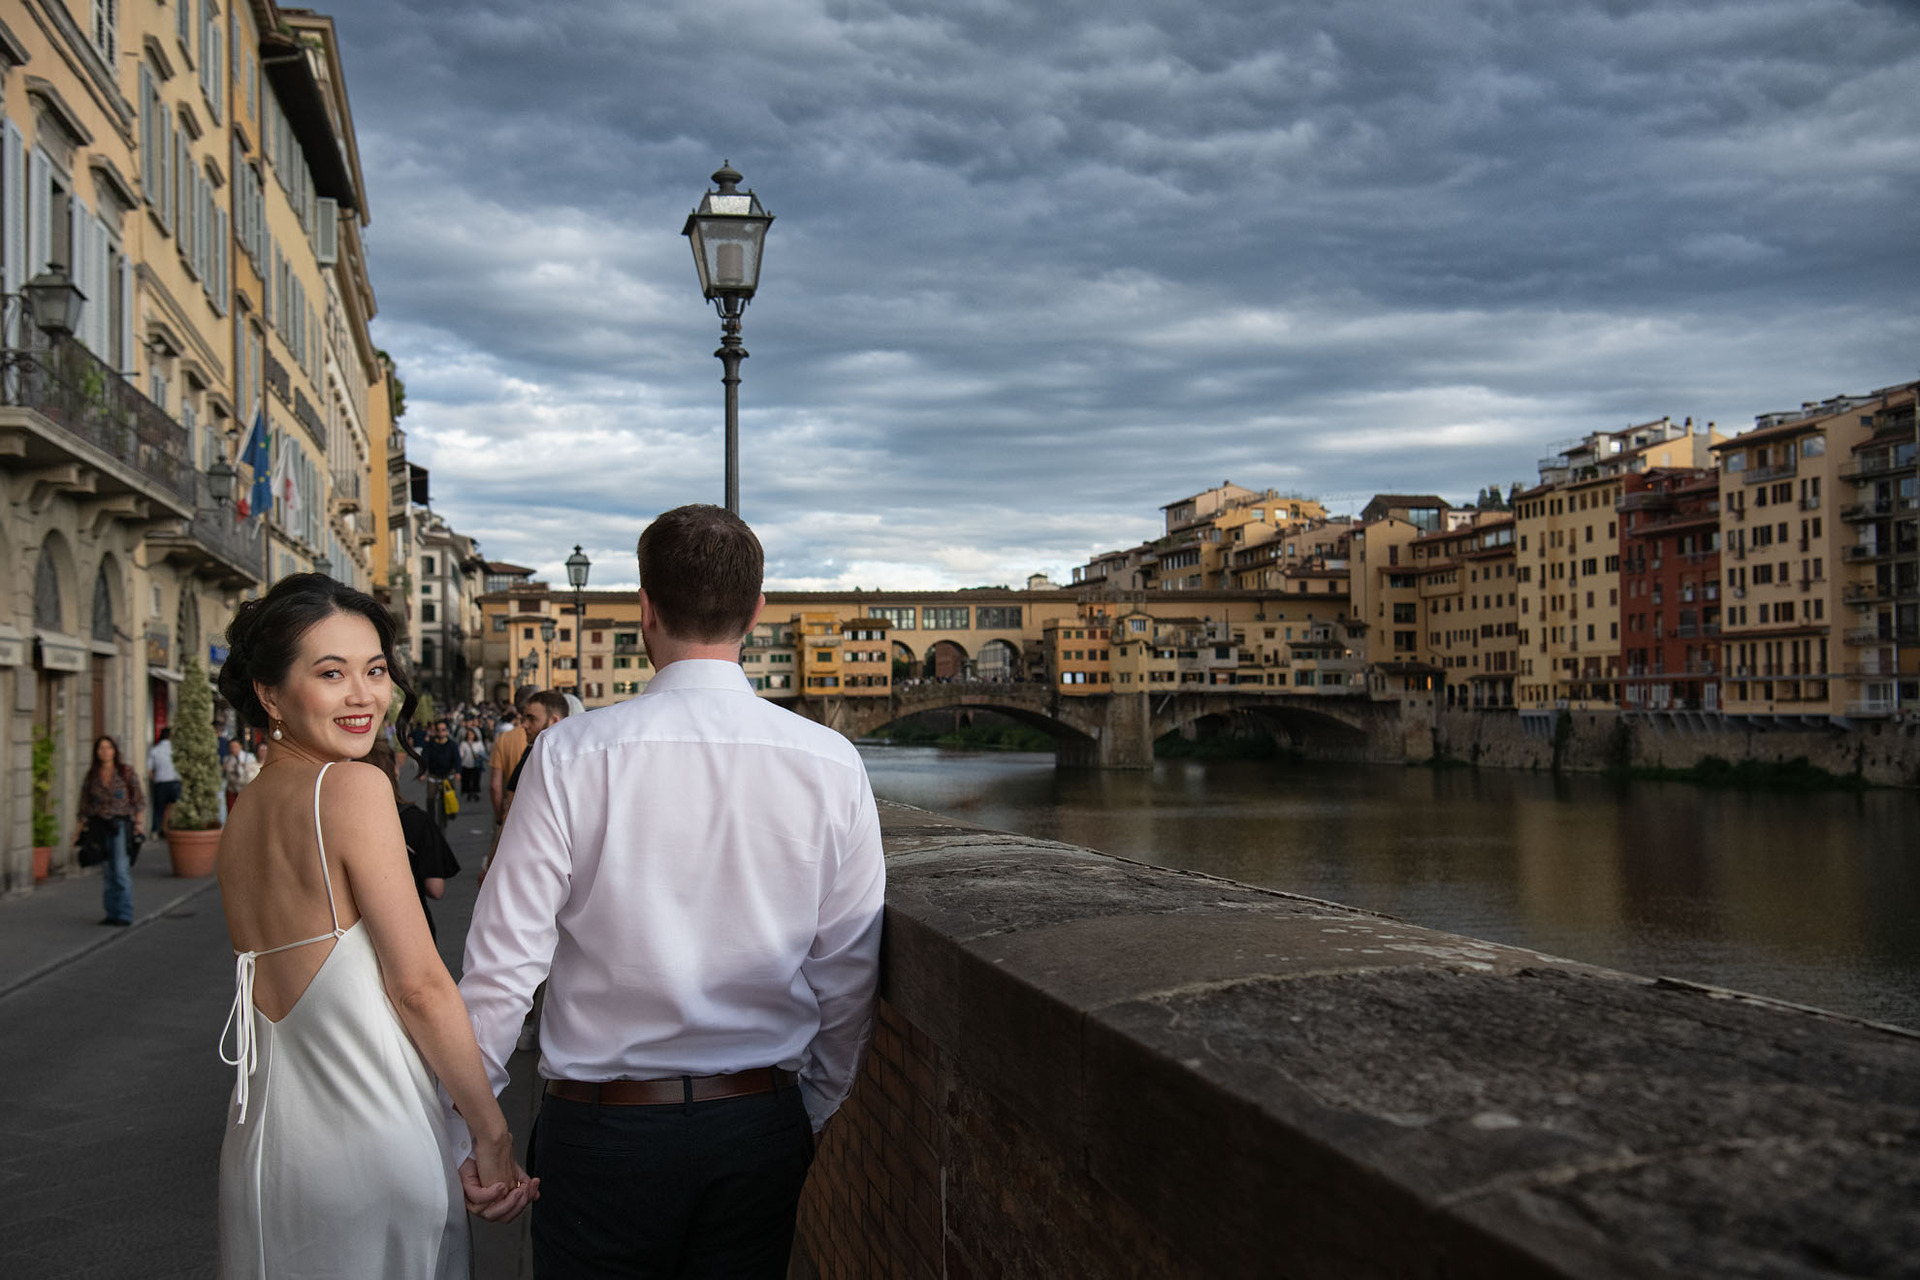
{"x": 79, "y": 428}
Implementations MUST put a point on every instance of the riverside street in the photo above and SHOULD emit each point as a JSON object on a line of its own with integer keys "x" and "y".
{"x": 115, "y": 1093}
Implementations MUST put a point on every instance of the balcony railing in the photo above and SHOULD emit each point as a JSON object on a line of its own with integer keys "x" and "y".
{"x": 1872, "y": 707}
{"x": 1876, "y": 510}
{"x": 75, "y": 390}
{"x": 1756, "y": 475}
{"x": 215, "y": 537}
{"x": 1884, "y": 635}
{"x": 1877, "y": 464}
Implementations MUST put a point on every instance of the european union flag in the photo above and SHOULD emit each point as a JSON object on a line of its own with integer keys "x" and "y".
{"x": 257, "y": 456}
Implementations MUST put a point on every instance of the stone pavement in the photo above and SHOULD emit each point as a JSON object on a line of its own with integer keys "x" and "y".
{"x": 115, "y": 1095}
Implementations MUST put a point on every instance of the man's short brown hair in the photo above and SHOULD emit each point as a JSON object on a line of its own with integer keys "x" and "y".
{"x": 701, "y": 566}
{"x": 555, "y": 703}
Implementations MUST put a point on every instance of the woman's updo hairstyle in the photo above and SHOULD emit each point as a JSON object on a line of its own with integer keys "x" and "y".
{"x": 264, "y": 639}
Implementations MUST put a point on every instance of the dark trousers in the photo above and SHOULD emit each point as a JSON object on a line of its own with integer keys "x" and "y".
{"x": 709, "y": 1189}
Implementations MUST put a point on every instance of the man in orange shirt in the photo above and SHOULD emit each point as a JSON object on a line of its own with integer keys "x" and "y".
{"x": 508, "y": 748}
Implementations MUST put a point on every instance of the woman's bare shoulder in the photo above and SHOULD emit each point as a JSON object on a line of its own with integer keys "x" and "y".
{"x": 357, "y": 797}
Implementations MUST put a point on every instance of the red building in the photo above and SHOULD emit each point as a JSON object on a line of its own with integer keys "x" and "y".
{"x": 1670, "y": 590}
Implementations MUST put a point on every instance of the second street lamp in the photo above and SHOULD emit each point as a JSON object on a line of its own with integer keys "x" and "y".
{"x": 546, "y": 636}
{"x": 577, "y": 566}
{"x": 729, "y": 231}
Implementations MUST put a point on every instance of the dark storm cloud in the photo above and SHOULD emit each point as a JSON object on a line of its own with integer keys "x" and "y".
{"x": 1041, "y": 268}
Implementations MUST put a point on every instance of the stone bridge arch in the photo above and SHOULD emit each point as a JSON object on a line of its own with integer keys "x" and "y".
{"x": 1117, "y": 731}
{"x": 1076, "y": 728}
{"x": 1343, "y": 727}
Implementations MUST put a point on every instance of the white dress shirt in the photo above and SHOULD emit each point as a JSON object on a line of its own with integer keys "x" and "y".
{"x": 697, "y": 875}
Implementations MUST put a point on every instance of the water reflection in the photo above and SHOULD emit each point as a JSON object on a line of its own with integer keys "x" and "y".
{"x": 1807, "y": 898}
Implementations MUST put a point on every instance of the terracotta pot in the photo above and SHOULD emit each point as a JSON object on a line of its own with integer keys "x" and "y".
{"x": 42, "y": 862}
{"x": 192, "y": 852}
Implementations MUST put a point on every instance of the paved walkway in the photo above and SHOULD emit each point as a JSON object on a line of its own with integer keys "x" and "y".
{"x": 115, "y": 1092}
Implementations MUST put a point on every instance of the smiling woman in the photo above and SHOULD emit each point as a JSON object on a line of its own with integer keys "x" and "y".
{"x": 310, "y": 660}
{"x": 369, "y": 1168}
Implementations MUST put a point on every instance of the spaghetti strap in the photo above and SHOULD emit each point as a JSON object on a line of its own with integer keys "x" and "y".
{"x": 321, "y": 839}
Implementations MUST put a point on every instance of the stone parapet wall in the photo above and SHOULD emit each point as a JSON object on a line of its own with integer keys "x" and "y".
{"x": 1086, "y": 1066}
{"x": 1884, "y": 753}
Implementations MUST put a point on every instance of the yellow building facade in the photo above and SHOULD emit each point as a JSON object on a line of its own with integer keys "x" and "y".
{"x": 151, "y": 154}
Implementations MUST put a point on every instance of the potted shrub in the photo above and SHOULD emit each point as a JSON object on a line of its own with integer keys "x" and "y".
{"x": 193, "y": 830}
{"x": 46, "y": 824}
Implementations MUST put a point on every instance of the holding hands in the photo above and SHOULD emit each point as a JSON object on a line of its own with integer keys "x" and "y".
{"x": 496, "y": 1188}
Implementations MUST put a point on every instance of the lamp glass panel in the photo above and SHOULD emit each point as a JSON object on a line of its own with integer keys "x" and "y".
{"x": 732, "y": 253}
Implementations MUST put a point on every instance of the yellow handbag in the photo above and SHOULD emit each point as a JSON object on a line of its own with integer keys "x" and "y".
{"x": 449, "y": 798}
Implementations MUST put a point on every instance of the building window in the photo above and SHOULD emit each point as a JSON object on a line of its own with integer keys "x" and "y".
{"x": 901, "y": 619}
{"x": 427, "y": 613}
{"x": 1004, "y": 617}
{"x": 944, "y": 618}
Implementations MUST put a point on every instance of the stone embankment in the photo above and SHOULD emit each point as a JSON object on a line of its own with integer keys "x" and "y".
{"x": 1880, "y": 752}
{"x": 1091, "y": 1067}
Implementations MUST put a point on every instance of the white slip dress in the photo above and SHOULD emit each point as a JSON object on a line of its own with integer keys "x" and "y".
{"x": 341, "y": 1155}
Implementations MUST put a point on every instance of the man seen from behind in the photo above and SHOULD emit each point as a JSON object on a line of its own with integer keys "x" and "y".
{"x": 697, "y": 875}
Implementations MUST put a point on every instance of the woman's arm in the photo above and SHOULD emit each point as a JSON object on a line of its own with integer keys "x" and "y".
{"x": 362, "y": 824}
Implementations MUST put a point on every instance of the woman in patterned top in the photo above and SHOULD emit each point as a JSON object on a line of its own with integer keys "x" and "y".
{"x": 111, "y": 794}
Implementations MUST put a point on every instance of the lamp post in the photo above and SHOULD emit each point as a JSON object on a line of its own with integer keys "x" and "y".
{"x": 577, "y": 566}
{"x": 728, "y": 231}
{"x": 546, "y": 636}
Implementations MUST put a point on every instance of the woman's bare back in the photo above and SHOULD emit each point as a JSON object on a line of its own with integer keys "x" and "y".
{"x": 271, "y": 885}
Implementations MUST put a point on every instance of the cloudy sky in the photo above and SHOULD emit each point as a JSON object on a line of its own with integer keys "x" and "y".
{"x": 1042, "y": 266}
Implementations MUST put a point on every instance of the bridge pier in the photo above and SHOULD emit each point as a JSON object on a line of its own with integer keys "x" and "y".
{"x": 1124, "y": 741}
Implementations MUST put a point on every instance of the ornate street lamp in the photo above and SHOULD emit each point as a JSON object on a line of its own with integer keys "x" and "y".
{"x": 546, "y": 637}
{"x": 577, "y": 566}
{"x": 728, "y": 232}
{"x": 221, "y": 478}
{"x": 56, "y": 301}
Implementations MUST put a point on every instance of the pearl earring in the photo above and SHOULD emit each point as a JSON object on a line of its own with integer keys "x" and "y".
{"x": 276, "y": 733}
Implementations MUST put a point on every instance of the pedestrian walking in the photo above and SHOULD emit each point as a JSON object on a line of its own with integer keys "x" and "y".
{"x": 697, "y": 875}
{"x": 508, "y": 747}
{"x": 473, "y": 761}
{"x": 439, "y": 761}
{"x": 112, "y": 815}
{"x": 162, "y": 778}
{"x": 240, "y": 767}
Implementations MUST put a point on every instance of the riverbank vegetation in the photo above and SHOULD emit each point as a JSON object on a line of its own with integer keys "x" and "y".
{"x": 1797, "y": 775}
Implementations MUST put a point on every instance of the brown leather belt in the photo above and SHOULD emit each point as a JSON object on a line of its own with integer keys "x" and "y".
{"x": 673, "y": 1091}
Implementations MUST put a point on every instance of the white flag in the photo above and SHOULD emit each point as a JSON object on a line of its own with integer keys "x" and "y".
{"x": 286, "y": 490}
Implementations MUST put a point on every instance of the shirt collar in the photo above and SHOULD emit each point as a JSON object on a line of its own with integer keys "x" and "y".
{"x": 699, "y": 673}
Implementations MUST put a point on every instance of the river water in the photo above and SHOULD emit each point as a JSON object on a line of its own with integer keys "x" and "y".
{"x": 1809, "y": 898}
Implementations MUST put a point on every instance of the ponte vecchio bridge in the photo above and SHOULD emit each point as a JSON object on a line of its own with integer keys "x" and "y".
{"x": 1103, "y": 673}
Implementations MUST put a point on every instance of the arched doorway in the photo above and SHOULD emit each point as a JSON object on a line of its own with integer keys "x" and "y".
{"x": 945, "y": 661}
{"x": 905, "y": 665}
{"x": 998, "y": 660}
{"x": 50, "y": 690}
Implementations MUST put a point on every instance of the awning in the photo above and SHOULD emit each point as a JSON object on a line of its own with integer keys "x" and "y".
{"x": 165, "y": 673}
{"x": 13, "y": 647}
